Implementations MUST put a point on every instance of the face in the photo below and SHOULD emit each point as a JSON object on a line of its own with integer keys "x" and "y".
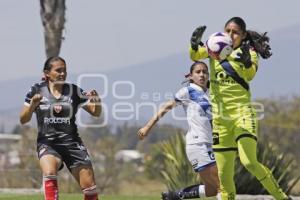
{"x": 236, "y": 34}
{"x": 200, "y": 75}
{"x": 58, "y": 71}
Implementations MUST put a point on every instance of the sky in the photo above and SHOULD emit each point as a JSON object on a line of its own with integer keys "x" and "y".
{"x": 106, "y": 35}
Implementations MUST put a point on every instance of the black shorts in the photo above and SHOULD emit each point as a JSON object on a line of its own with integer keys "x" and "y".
{"x": 72, "y": 154}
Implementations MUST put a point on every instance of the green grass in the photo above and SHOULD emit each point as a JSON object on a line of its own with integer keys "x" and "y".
{"x": 73, "y": 197}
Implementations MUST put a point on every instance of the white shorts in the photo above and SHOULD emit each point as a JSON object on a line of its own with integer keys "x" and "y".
{"x": 200, "y": 155}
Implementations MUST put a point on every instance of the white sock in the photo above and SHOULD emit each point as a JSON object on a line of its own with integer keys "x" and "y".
{"x": 202, "y": 191}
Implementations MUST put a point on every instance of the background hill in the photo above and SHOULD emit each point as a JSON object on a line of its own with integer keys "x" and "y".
{"x": 138, "y": 90}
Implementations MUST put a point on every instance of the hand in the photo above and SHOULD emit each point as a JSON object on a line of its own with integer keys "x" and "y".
{"x": 142, "y": 133}
{"x": 196, "y": 37}
{"x": 245, "y": 56}
{"x": 35, "y": 101}
{"x": 93, "y": 96}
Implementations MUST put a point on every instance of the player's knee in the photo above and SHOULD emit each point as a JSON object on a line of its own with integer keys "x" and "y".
{"x": 250, "y": 166}
{"x": 49, "y": 173}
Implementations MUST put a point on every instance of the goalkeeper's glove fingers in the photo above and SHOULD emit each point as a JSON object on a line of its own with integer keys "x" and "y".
{"x": 196, "y": 37}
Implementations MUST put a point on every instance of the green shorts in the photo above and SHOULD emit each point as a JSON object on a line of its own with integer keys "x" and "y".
{"x": 228, "y": 128}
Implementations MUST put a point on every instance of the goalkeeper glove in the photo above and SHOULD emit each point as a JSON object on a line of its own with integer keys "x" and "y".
{"x": 196, "y": 37}
{"x": 245, "y": 56}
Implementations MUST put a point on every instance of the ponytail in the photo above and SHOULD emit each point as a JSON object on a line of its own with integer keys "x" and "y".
{"x": 260, "y": 42}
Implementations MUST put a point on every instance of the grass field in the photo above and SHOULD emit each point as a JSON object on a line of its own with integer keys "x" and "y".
{"x": 73, "y": 197}
{"x": 119, "y": 197}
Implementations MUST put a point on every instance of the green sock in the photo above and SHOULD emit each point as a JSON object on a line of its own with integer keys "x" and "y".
{"x": 272, "y": 186}
{"x": 247, "y": 153}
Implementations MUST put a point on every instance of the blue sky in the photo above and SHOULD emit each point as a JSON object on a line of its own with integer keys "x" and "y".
{"x": 105, "y": 35}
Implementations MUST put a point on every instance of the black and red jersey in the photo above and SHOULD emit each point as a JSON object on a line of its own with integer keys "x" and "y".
{"x": 56, "y": 116}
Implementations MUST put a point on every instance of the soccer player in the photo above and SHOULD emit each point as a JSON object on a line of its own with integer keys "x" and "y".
{"x": 55, "y": 104}
{"x": 234, "y": 118}
{"x": 195, "y": 101}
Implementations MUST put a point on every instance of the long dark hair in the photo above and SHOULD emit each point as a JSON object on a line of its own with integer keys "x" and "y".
{"x": 260, "y": 42}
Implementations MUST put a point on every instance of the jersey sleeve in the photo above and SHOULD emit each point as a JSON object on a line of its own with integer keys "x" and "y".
{"x": 81, "y": 96}
{"x": 198, "y": 55}
{"x": 250, "y": 73}
{"x": 32, "y": 91}
{"x": 181, "y": 96}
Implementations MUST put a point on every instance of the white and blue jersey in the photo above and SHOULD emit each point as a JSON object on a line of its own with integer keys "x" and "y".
{"x": 197, "y": 106}
{"x": 199, "y": 141}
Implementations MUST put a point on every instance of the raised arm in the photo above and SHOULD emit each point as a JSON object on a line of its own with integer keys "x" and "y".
{"x": 197, "y": 49}
{"x": 94, "y": 104}
{"x": 143, "y": 132}
{"x": 27, "y": 110}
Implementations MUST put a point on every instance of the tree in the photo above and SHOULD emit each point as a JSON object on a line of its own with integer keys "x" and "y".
{"x": 281, "y": 124}
{"x": 53, "y": 19}
{"x": 107, "y": 170}
{"x": 171, "y": 160}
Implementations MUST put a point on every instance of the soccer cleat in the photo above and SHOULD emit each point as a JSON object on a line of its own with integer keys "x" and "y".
{"x": 171, "y": 195}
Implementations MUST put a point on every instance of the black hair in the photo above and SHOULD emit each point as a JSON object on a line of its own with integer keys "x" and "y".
{"x": 197, "y": 63}
{"x": 239, "y": 21}
{"x": 191, "y": 71}
{"x": 47, "y": 65}
{"x": 260, "y": 42}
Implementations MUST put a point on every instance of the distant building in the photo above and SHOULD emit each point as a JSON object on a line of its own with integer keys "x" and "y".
{"x": 128, "y": 155}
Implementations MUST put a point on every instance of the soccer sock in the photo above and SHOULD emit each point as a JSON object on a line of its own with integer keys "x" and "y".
{"x": 218, "y": 197}
{"x": 50, "y": 187}
{"x": 247, "y": 152}
{"x": 202, "y": 191}
{"x": 271, "y": 185}
{"x": 225, "y": 164}
{"x": 90, "y": 193}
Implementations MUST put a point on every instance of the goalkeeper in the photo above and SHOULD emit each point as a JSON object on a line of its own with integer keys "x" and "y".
{"x": 234, "y": 118}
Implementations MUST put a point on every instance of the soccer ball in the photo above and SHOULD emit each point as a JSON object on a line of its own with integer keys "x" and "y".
{"x": 219, "y": 45}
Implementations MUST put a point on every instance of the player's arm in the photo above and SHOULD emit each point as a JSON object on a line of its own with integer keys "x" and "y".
{"x": 249, "y": 58}
{"x": 169, "y": 105}
{"x": 200, "y": 54}
{"x": 28, "y": 109}
{"x": 250, "y": 72}
{"x": 197, "y": 49}
{"x": 93, "y": 106}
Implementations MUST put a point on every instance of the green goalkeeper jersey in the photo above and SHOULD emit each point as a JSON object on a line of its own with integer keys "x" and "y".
{"x": 227, "y": 95}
